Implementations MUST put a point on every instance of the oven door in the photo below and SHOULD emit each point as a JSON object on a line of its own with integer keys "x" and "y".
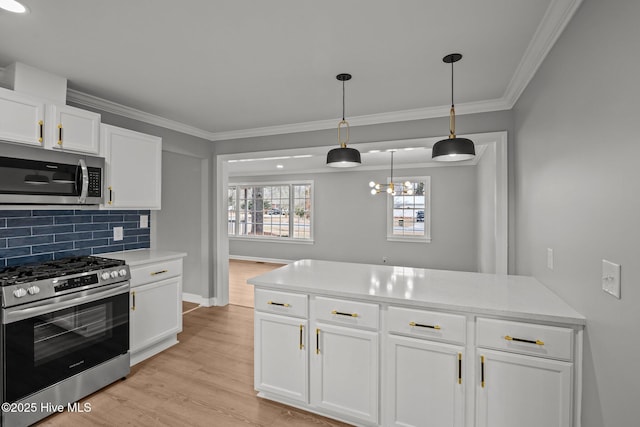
{"x": 46, "y": 342}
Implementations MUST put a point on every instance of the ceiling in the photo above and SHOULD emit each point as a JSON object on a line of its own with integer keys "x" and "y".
{"x": 224, "y": 69}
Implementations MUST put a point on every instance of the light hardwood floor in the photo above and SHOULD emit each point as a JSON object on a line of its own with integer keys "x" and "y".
{"x": 241, "y": 293}
{"x": 206, "y": 380}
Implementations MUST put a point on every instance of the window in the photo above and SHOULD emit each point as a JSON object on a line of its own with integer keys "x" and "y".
{"x": 409, "y": 216}
{"x": 279, "y": 211}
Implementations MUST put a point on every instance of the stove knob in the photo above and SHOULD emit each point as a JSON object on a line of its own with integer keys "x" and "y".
{"x": 122, "y": 272}
{"x": 105, "y": 275}
{"x": 19, "y": 293}
{"x": 114, "y": 274}
{"x": 33, "y": 290}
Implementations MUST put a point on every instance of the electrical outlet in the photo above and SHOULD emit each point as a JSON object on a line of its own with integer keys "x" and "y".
{"x": 118, "y": 234}
{"x": 550, "y": 258}
{"x": 611, "y": 278}
{"x": 384, "y": 259}
{"x": 144, "y": 221}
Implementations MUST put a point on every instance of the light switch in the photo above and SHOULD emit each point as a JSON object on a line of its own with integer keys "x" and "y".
{"x": 550, "y": 258}
{"x": 117, "y": 234}
{"x": 611, "y": 278}
{"x": 144, "y": 221}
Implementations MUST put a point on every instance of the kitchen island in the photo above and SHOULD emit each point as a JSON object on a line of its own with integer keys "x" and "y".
{"x": 399, "y": 346}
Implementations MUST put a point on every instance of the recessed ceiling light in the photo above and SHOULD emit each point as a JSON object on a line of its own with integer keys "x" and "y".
{"x": 374, "y": 151}
{"x": 12, "y": 6}
{"x": 279, "y": 166}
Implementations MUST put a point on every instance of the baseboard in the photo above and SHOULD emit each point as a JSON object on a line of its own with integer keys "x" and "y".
{"x": 198, "y": 299}
{"x": 258, "y": 259}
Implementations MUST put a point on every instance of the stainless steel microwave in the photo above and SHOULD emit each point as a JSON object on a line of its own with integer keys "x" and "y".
{"x": 33, "y": 175}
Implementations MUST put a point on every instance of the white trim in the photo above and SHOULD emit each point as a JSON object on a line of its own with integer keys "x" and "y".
{"x": 221, "y": 253}
{"x": 198, "y": 299}
{"x": 556, "y": 18}
{"x": 259, "y": 259}
{"x": 273, "y": 240}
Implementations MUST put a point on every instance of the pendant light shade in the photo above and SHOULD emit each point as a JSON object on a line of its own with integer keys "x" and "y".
{"x": 453, "y": 149}
{"x": 343, "y": 157}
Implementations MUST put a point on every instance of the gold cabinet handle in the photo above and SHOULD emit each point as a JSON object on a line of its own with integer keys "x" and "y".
{"x": 133, "y": 296}
{"x": 301, "y": 330}
{"x": 482, "y": 371}
{"x": 317, "y": 341}
{"x": 110, "y": 194}
{"x": 155, "y": 273}
{"x": 537, "y": 342}
{"x": 342, "y": 313}
{"x": 281, "y": 304}
{"x": 459, "y": 368}
{"x": 60, "y": 134}
{"x": 41, "y": 124}
{"x": 420, "y": 325}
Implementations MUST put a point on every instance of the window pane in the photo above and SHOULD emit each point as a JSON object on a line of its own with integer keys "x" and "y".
{"x": 408, "y": 211}
{"x": 270, "y": 210}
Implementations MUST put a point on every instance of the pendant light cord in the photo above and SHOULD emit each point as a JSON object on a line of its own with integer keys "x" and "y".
{"x": 343, "y": 100}
{"x": 452, "y": 84}
{"x": 452, "y": 112}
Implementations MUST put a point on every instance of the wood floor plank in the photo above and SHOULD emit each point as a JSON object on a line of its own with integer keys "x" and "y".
{"x": 205, "y": 380}
{"x": 240, "y": 292}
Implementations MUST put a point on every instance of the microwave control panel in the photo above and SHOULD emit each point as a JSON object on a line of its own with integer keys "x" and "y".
{"x": 95, "y": 182}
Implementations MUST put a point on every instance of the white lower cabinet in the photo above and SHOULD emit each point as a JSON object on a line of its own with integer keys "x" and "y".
{"x": 425, "y": 383}
{"x": 523, "y": 391}
{"x": 155, "y": 315}
{"x": 281, "y": 362}
{"x": 344, "y": 372}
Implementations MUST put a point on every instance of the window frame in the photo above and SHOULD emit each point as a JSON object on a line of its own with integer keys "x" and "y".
{"x": 273, "y": 239}
{"x": 427, "y": 211}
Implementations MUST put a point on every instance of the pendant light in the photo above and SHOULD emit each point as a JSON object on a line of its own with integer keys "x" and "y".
{"x": 343, "y": 157}
{"x": 453, "y": 149}
{"x": 391, "y": 187}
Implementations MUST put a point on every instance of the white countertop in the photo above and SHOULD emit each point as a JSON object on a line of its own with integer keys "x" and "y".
{"x": 144, "y": 256}
{"x": 489, "y": 294}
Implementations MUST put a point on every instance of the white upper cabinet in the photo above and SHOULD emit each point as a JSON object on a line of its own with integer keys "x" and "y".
{"x": 30, "y": 120}
{"x": 73, "y": 129}
{"x": 133, "y": 168}
{"x": 21, "y": 118}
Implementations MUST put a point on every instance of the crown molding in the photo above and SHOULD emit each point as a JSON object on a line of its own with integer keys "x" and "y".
{"x": 553, "y": 23}
{"x": 556, "y": 18}
{"x": 122, "y": 110}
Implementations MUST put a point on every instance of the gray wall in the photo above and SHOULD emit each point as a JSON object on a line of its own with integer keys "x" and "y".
{"x": 179, "y": 225}
{"x": 576, "y": 186}
{"x": 350, "y": 223}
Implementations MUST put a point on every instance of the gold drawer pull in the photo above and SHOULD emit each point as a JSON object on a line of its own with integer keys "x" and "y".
{"x": 133, "y": 297}
{"x": 60, "y": 134}
{"x": 301, "y": 331}
{"x": 537, "y": 342}
{"x": 420, "y": 325}
{"x": 317, "y": 341}
{"x": 155, "y": 273}
{"x": 281, "y": 304}
{"x": 482, "y": 371}
{"x": 341, "y": 313}
{"x": 41, "y": 124}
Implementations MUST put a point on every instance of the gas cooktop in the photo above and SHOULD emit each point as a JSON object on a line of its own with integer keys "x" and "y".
{"x": 52, "y": 269}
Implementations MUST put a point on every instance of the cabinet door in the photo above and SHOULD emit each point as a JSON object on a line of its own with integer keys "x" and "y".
{"x": 344, "y": 371}
{"x": 424, "y": 383}
{"x": 522, "y": 391}
{"x": 133, "y": 162}
{"x": 21, "y": 118}
{"x": 155, "y": 312}
{"x": 280, "y": 362}
{"x": 73, "y": 129}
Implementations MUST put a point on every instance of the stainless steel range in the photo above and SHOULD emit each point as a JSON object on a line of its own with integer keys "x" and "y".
{"x": 64, "y": 334}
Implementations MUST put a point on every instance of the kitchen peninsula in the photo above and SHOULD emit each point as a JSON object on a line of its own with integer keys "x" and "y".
{"x": 385, "y": 345}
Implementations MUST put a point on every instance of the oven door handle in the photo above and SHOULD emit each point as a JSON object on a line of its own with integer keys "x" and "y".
{"x": 15, "y": 314}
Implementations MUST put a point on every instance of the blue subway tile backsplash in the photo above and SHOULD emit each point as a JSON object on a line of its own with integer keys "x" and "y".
{"x": 28, "y": 236}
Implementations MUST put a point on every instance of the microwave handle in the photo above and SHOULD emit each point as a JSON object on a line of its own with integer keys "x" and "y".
{"x": 84, "y": 186}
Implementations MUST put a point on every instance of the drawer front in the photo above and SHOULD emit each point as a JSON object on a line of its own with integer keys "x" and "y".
{"x": 427, "y": 324}
{"x": 525, "y": 338}
{"x": 286, "y": 303}
{"x": 345, "y": 312}
{"x": 153, "y": 272}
